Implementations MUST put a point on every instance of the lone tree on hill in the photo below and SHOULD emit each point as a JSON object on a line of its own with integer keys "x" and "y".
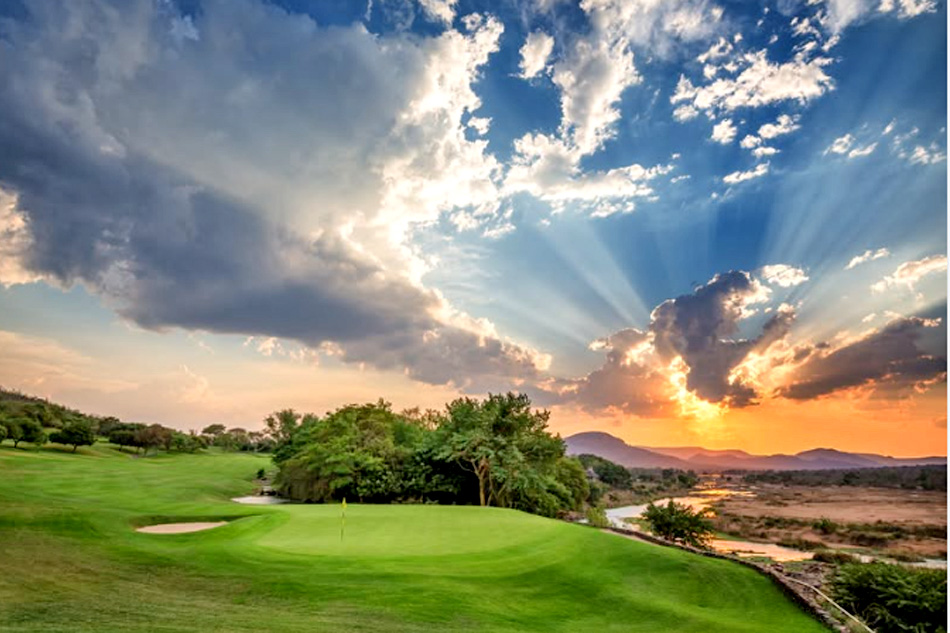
{"x": 75, "y": 434}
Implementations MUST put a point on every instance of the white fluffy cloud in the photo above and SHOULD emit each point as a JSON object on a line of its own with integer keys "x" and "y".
{"x": 783, "y": 275}
{"x": 439, "y": 10}
{"x": 841, "y": 13}
{"x": 785, "y": 124}
{"x": 926, "y": 156}
{"x": 535, "y": 53}
{"x": 724, "y": 132}
{"x": 741, "y": 176}
{"x": 15, "y": 242}
{"x": 908, "y": 274}
{"x": 760, "y": 83}
{"x": 867, "y": 256}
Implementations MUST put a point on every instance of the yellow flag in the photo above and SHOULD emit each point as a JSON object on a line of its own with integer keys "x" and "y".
{"x": 344, "y": 503}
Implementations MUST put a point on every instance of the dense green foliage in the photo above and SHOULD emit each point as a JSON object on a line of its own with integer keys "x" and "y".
{"x": 72, "y": 562}
{"x": 491, "y": 452}
{"x": 894, "y": 598}
{"x": 606, "y": 471}
{"x": 906, "y": 477}
{"x": 679, "y": 523}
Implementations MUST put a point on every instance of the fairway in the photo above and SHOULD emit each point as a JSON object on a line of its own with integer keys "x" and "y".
{"x": 72, "y": 561}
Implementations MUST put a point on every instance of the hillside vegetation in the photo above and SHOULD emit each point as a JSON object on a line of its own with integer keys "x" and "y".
{"x": 73, "y": 562}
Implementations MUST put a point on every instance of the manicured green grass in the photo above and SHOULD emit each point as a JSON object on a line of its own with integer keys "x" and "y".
{"x": 70, "y": 560}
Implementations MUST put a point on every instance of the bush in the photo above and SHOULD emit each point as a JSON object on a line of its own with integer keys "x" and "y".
{"x": 680, "y": 523}
{"x": 825, "y": 526}
{"x": 597, "y": 517}
{"x": 893, "y": 598}
{"x": 831, "y": 556}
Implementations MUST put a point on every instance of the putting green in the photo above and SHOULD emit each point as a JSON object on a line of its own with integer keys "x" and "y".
{"x": 72, "y": 561}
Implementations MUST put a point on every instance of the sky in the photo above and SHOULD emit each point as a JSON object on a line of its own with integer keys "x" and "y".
{"x": 682, "y": 222}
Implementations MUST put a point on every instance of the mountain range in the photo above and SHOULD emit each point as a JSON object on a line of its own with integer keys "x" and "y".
{"x": 697, "y": 458}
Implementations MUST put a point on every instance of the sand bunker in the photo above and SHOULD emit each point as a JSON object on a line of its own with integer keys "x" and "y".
{"x": 259, "y": 500}
{"x": 180, "y": 528}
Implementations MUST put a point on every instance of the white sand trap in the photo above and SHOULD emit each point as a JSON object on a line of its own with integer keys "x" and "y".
{"x": 180, "y": 528}
{"x": 259, "y": 500}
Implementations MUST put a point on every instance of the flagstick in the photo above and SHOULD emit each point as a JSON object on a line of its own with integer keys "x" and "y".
{"x": 342, "y": 519}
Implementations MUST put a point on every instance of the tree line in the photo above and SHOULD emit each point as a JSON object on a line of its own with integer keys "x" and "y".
{"x": 905, "y": 477}
{"x": 38, "y": 421}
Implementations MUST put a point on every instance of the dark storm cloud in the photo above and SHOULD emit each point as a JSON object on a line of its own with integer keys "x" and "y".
{"x": 890, "y": 359}
{"x": 107, "y": 136}
{"x": 699, "y": 328}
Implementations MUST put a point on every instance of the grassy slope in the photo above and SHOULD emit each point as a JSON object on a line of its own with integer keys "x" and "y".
{"x": 70, "y": 561}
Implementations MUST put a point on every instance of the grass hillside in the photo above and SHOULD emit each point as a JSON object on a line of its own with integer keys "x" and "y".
{"x": 71, "y": 561}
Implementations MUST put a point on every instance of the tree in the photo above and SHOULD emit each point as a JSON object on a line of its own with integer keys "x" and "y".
{"x": 109, "y": 424}
{"x": 213, "y": 431}
{"x": 505, "y": 445}
{"x": 280, "y": 425}
{"x": 75, "y": 434}
{"x": 32, "y": 432}
{"x": 153, "y": 436}
{"x": 125, "y": 434}
{"x": 3, "y": 433}
{"x": 680, "y": 523}
{"x": 14, "y": 430}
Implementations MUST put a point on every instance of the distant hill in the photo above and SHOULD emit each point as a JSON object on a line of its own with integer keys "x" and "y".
{"x": 616, "y": 450}
{"x": 698, "y": 458}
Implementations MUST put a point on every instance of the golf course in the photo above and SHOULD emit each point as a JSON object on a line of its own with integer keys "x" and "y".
{"x": 72, "y": 560}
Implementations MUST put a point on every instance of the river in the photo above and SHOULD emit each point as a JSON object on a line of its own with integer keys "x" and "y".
{"x": 703, "y": 497}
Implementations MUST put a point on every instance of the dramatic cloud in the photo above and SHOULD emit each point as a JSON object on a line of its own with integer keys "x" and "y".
{"x": 194, "y": 183}
{"x": 687, "y": 357}
{"x": 888, "y": 359}
{"x": 867, "y": 256}
{"x": 598, "y": 67}
{"x": 908, "y": 274}
{"x": 535, "y": 53}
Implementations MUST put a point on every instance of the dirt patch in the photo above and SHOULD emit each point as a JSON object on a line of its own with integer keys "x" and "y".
{"x": 180, "y": 528}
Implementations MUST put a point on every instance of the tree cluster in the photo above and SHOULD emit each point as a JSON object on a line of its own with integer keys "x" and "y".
{"x": 490, "y": 452}
{"x": 144, "y": 438}
{"x": 237, "y": 439}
